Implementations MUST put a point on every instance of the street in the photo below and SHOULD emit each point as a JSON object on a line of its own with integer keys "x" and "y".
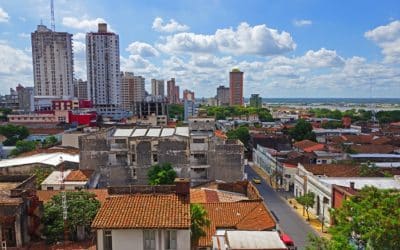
{"x": 289, "y": 221}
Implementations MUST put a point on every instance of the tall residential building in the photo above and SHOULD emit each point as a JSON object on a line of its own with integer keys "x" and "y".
{"x": 172, "y": 91}
{"x": 223, "y": 96}
{"x": 157, "y": 87}
{"x": 255, "y": 101}
{"x": 132, "y": 90}
{"x": 52, "y": 62}
{"x": 103, "y": 68}
{"x": 25, "y": 98}
{"x": 236, "y": 87}
{"x": 188, "y": 95}
{"x": 81, "y": 89}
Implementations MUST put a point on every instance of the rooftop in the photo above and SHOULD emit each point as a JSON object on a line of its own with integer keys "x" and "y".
{"x": 242, "y": 215}
{"x": 254, "y": 240}
{"x": 360, "y": 182}
{"x": 204, "y": 195}
{"x": 151, "y": 132}
{"x": 144, "y": 211}
{"x": 46, "y": 195}
{"x": 52, "y": 159}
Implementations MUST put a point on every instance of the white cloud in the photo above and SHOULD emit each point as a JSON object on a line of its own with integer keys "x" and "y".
{"x": 83, "y": 24}
{"x": 79, "y": 36}
{"x": 302, "y": 23}
{"x": 24, "y": 35}
{"x": 78, "y": 47}
{"x": 142, "y": 49}
{"x": 138, "y": 65}
{"x": 387, "y": 37}
{"x": 4, "y": 17}
{"x": 245, "y": 40}
{"x": 170, "y": 27}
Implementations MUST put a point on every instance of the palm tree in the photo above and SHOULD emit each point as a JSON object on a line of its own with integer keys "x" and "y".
{"x": 199, "y": 220}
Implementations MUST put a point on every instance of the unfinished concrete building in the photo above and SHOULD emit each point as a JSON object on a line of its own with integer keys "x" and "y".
{"x": 123, "y": 156}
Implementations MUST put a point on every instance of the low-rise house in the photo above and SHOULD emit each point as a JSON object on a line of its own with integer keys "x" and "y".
{"x": 20, "y": 210}
{"x": 151, "y": 220}
{"x": 326, "y": 157}
{"x": 319, "y": 179}
{"x": 308, "y": 146}
{"x": 73, "y": 180}
{"x": 248, "y": 240}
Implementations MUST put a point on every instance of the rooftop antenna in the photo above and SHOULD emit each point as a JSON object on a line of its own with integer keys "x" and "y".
{"x": 53, "y": 25}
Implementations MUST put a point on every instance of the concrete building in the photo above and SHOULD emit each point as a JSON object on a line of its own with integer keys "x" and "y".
{"x": 103, "y": 69}
{"x": 190, "y": 109}
{"x": 188, "y": 95}
{"x": 255, "y": 101}
{"x": 73, "y": 180}
{"x": 223, "y": 95}
{"x": 19, "y": 211}
{"x": 132, "y": 90}
{"x": 52, "y": 62}
{"x": 25, "y": 98}
{"x": 236, "y": 87}
{"x": 150, "y": 105}
{"x": 124, "y": 156}
{"x": 81, "y": 89}
{"x": 157, "y": 87}
{"x": 172, "y": 92}
{"x": 10, "y": 101}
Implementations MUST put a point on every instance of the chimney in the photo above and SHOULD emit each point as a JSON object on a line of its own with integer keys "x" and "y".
{"x": 102, "y": 27}
{"x": 182, "y": 186}
{"x": 352, "y": 185}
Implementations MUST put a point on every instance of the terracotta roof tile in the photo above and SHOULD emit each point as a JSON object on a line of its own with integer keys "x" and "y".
{"x": 206, "y": 195}
{"x": 243, "y": 215}
{"x": 46, "y": 195}
{"x": 333, "y": 170}
{"x": 79, "y": 175}
{"x": 371, "y": 148}
{"x": 144, "y": 211}
{"x": 304, "y": 144}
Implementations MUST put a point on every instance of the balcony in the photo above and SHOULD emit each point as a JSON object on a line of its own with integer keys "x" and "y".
{"x": 118, "y": 147}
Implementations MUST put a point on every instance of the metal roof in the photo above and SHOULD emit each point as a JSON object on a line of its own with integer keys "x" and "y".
{"x": 53, "y": 159}
{"x": 123, "y": 132}
{"x": 152, "y": 132}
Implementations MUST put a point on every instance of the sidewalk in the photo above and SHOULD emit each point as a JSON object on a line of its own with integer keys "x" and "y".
{"x": 314, "y": 222}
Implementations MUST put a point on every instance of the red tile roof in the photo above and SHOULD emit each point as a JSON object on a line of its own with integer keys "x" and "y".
{"x": 46, "y": 195}
{"x": 333, "y": 170}
{"x": 371, "y": 149}
{"x": 79, "y": 175}
{"x": 243, "y": 215}
{"x": 308, "y": 146}
{"x": 144, "y": 211}
{"x": 201, "y": 195}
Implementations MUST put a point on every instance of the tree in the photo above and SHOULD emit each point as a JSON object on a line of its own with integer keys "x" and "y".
{"x": 307, "y": 201}
{"x": 13, "y": 133}
{"x": 82, "y": 208}
{"x": 199, "y": 220}
{"x": 302, "y": 131}
{"x": 369, "y": 220}
{"x": 161, "y": 175}
{"x": 22, "y": 147}
{"x": 332, "y": 125}
{"x": 369, "y": 170}
{"x": 315, "y": 242}
{"x": 50, "y": 141}
{"x": 241, "y": 133}
{"x": 41, "y": 174}
{"x": 176, "y": 111}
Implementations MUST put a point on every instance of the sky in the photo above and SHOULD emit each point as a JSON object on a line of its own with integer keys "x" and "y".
{"x": 286, "y": 48}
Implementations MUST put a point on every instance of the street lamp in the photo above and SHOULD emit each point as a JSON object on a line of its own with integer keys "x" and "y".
{"x": 324, "y": 201}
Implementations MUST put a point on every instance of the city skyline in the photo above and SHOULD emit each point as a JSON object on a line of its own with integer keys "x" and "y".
{"x": 314, "y": 50}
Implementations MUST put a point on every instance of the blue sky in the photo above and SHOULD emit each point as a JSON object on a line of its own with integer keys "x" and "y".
{"x": 286, "y": 48}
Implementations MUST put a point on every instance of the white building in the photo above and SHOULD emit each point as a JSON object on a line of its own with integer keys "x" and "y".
{"x": 103, "y": 68}
{"x": 52, "y": 62}
{"x": 73, "y": 180}
{"x": 157, "y": 87}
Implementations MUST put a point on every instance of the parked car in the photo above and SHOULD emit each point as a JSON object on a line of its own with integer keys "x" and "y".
{"x": 256, "y": 180}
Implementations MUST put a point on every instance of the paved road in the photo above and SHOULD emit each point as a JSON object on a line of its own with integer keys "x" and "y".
{"x": 289, "y": 221}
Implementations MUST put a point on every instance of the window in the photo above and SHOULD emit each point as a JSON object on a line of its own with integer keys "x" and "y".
{"x": 155, "y": 158}
{"x": 170, "y": 240}
{"x": 133, "y": 157}
{"x": 120, "y": 141}
{"x": 50, "y": 188}
{"x": 149, "y": 239}
{"x": 107, "y": 240}
{"x": 198, "y": 140}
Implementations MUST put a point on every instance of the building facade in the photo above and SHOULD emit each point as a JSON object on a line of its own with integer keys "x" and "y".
{"x": 223, "y": 96}
{"x": 172, "y": 92}
{"x": 25, "y": 98}
{"x": 157, "y": 87}
{"x": 81, "y": 89}
{"x": 103, "y": 68}
{"x": 190, "y": 109}
{"x": 236, "y": 87}
{"x": 52, "y": 62}
{"x": 132, "y": 89}
{"x": 255, "y": 101}
{"x": 188, "y": 95}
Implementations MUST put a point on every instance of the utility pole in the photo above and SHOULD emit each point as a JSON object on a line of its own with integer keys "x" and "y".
{"x": 63, "y": 200}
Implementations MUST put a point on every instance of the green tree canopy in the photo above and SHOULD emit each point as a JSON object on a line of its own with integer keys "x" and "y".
{"x": 199, "y": 221}
{"x": 13, "y": 133}
{"x": 161, "y": 175}
{"x": 82, "y": 208}
{"x": 50, "y": 141}
{"x": 368, "y": 220}
{"x": 23, "y": 146}
{"x": 176, "y": 111}
{"x": 302, "y": 130}
{"x": 307, "y": 201}
{"x": 332, "y": 125}
{"x": 241, "y": 133}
